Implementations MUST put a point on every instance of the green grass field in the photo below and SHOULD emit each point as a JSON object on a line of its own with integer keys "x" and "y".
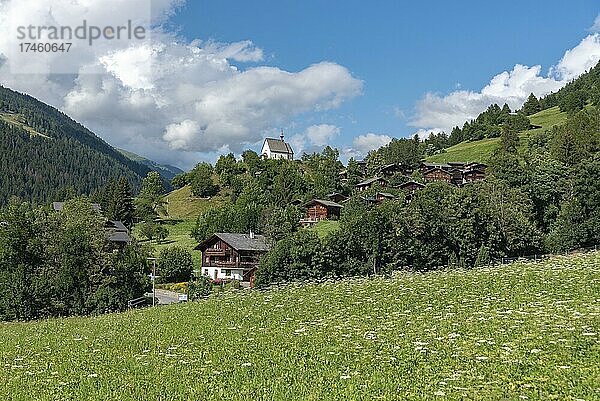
{"x": 524, "y": 331}
{"x": 322, "y": 228}
{"x": 183, "y": 205}
{"x": 482, "y": 150}
{"x": 183, "y": 209}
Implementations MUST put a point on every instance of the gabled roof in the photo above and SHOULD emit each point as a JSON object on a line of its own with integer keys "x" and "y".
{"x": 324, "y": 203}
{"x": 279, "y": 146}
{"x": 474, "y": 170}
{"x": 118, "y": 236}
{"x": 116, "y": 225}
{"x": 432, "y": 166}
{"x": 385, "y": 195}
{"x": 336, "y": 194}
{"x": 370, "y": 181}
{"x": 58, "y": 206}
{"x": 239, "y": 242}
{"x": 437, "y": 169}
{"x": 409, "y": 183}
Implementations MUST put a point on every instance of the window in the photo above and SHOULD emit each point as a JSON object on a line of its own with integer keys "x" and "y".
{"x": 206, "y": 272}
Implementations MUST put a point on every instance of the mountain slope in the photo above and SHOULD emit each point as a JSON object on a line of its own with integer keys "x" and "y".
{"x": 481, "y": 150}
{"x": 555, "y": 107}
{"x": 43, "y": 151}
{"x": 167, "y": 171}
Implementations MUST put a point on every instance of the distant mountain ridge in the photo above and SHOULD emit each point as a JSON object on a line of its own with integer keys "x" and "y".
{"x": 43, "y": 151}
{"x": 167, "y": 171}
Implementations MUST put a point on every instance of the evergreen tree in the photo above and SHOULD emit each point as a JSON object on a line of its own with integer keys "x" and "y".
{"x": 149, "y": 203}
{"x": 531, "y": 106}
{"x": 119, "y": 204}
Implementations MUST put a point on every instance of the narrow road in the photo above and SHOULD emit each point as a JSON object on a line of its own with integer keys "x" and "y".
{"x": 166, "y": 297}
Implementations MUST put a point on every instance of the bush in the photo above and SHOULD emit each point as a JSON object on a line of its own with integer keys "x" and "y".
{"x": 175, "y": 265}
{"x": 200, "y": 288}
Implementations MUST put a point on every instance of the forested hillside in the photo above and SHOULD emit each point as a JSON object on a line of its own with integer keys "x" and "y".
{"x": 43, "y": 151}
{"x": 533, "y": 116}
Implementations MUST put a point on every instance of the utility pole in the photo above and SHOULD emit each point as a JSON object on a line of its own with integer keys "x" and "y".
{"x": 153, "y": 277}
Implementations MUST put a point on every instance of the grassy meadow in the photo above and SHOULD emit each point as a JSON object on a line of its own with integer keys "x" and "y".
{"x": 482, "y": 150}
{"x": 523, "y": 331}
{"x": 183, "y": 209}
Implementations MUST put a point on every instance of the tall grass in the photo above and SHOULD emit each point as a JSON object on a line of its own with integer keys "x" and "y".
{"x": 523, "y": 331}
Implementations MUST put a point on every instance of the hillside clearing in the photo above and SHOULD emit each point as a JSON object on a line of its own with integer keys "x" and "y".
{"x": 482, "y": 150}
{"x": 14, "y": 119}
{"x": 524, "y": 330}
{"x": 322, "y": 228}
{"x": 183, "y": 205}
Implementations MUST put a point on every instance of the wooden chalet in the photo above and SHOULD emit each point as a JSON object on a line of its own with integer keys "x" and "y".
{"x": 478, "y": 166}
{"x": 229, "y": 256}
{"x": 117, "y": 233}
{"x": 367, "y": 184}
{"x": 438, "y": 174}
{"x": 473, "y": 175}
{"x": 425, "y": 167}
{"x": 337, "y": 197}
{"x": 457, "y": 173}
{"x": 319, "y": 209}
{"x": 395, "y": 168}
{"x": 411, "y": 186}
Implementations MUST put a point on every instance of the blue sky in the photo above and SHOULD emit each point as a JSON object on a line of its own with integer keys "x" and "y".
{"x": 219, "y": 76}
{"x": 401, "y": 50}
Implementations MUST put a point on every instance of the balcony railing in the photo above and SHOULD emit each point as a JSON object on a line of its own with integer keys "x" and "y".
{"x": 216, "y": 252}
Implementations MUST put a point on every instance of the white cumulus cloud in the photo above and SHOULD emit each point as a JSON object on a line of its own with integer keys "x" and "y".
{"x": 596, "y": 25}
{"x": 368, "y": 142}
{"x": 435, "y": 112}
{"x": 168, "y": 98}
{"x": 322, "y": 134}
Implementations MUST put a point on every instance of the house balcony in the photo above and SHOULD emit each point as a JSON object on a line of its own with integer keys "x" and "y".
{"x": 226, "y": 264}
{"x": 216, "y": 252}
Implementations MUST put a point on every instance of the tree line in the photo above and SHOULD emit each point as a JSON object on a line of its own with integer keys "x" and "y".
{"x": 61, "y": 263}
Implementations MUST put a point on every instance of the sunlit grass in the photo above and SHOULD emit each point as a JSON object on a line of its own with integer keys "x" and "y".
{"x": 481, "y": 151}
{"x": 322, "y": 228}
{"x": 525, "y": 331}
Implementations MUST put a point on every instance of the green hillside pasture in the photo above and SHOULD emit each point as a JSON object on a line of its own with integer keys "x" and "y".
{"x": 322, "y": 228}
{"x": 482, "y": 150}
{"x": 182, "y": 204}
{"x": 179, "y": 235}
{"x": 524, "y": 331}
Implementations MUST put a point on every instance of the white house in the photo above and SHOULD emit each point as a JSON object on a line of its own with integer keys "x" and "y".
{"x": 277, "y": 149}
{"x": 232, "y": 256}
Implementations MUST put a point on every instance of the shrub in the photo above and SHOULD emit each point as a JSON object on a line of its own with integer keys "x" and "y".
{"x": 175, "y": 265}
{"x": 199, "y": 288}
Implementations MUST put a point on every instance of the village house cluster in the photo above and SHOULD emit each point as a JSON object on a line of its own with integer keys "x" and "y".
{"x": 231, "y": 256}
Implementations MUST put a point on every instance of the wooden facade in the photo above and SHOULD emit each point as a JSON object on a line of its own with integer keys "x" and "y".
{"x": 319, "y": 210}
{"x": 473, "y": 175}
{"x": 438, "y": 174}
{"x": 230, "y": 256}
{"x": 367, "y": 184}
{"x": 411, "y": 186}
